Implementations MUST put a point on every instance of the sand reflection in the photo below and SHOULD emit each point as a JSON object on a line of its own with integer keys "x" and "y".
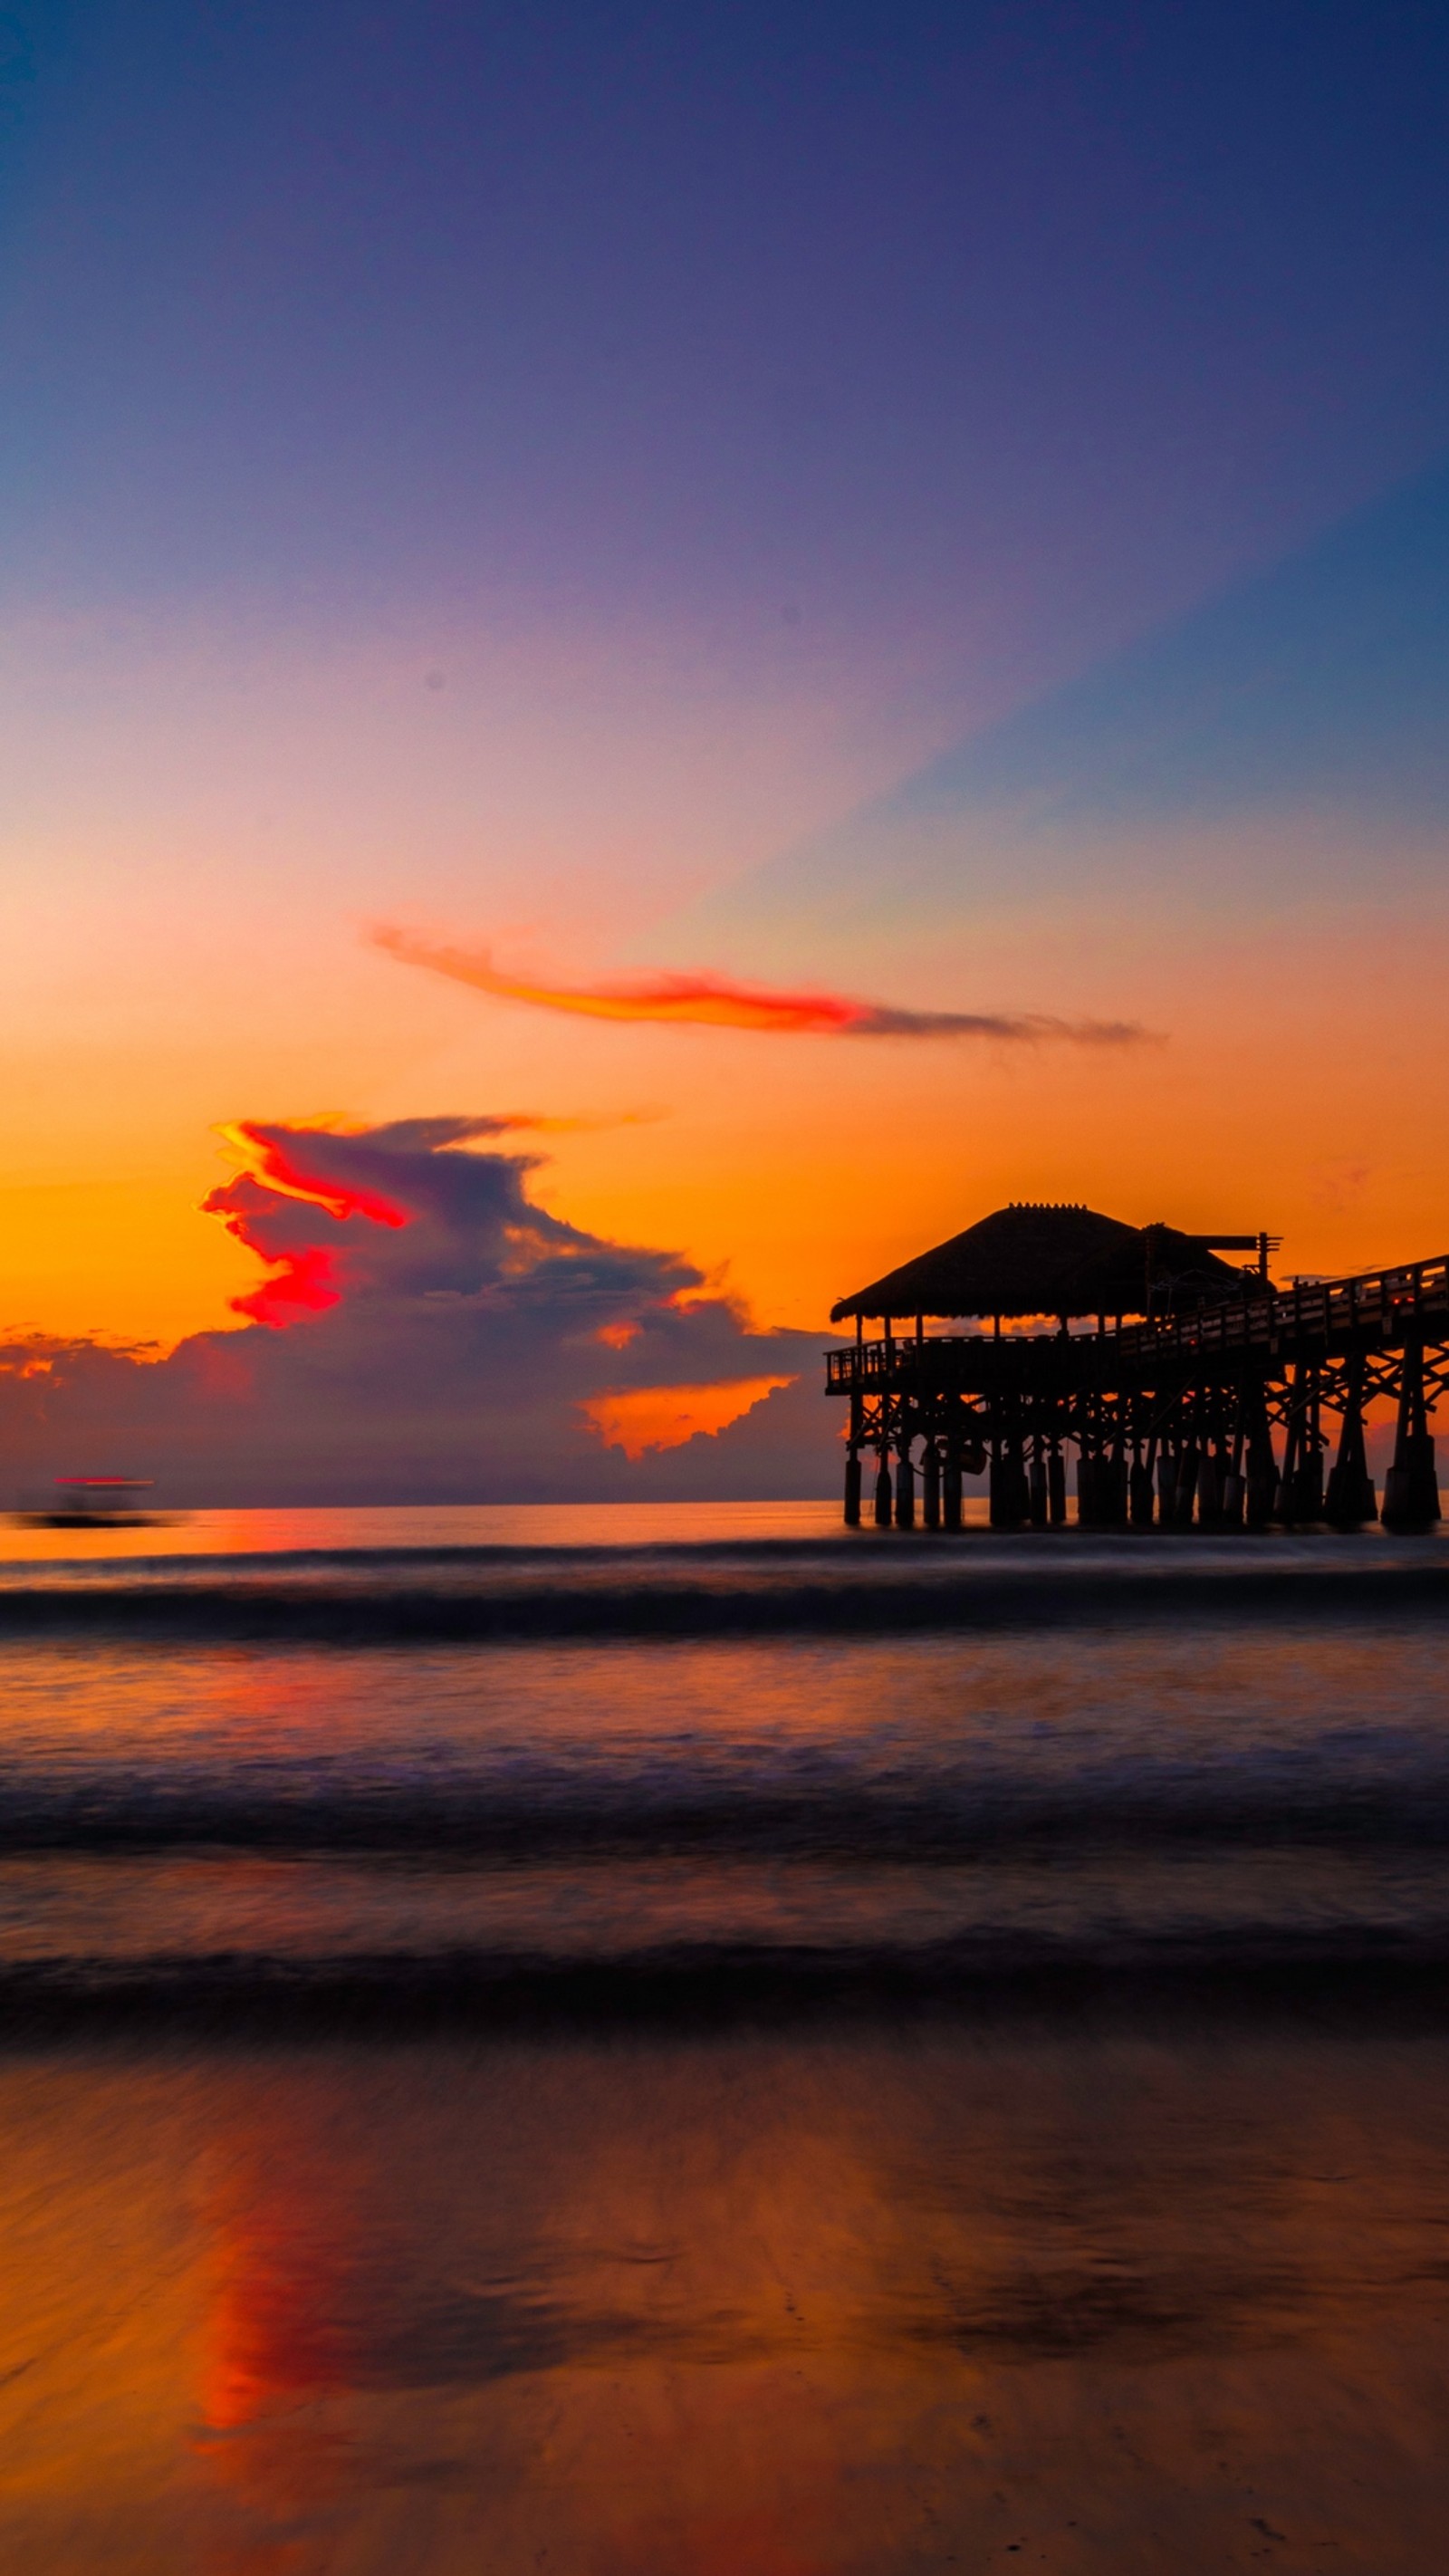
{"x": 852, "y": 2302}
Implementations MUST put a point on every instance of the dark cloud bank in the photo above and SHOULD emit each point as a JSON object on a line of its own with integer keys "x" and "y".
{"x": 426, "y": 1334}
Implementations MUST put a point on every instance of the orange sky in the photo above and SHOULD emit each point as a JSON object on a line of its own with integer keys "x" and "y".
{"x": 214, "y": 820}
{"x": 1296, "y": 1087}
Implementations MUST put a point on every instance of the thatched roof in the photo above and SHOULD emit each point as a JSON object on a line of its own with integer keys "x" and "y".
{"x": 1049, "y": 1261}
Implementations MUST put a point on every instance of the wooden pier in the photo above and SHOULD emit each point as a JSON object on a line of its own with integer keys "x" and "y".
{"x": 1226, "y": 1403}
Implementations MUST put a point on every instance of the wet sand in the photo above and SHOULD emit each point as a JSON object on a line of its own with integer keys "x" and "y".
{"x": 1075, "y": 2293}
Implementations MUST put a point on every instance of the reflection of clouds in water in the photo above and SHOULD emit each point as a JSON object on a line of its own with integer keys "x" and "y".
{"x": 839, "y": 2296}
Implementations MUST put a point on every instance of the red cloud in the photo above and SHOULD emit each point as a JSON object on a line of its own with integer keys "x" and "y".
{"x": 305, "y": 1284}
{"x": 322, "y": 1206}
{"x": 273, "y": 1207}
{"x": 279, "y": 1157}
{"x": 716, "y": 1001}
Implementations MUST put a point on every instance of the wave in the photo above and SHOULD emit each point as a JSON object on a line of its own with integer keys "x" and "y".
{"x": 1257, "y": 1974}
{"x": 477, "y": 1596}
{"x": 1169, "y": 1765}
{"x": 1362, "y": 1798}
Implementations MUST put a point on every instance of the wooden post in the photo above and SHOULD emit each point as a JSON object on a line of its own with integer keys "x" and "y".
{"x": 1185, "y": 1494}
{"x": 852, "y": 1459}
{"x": 1292, "y": 1444}
{"x": 1261, "y": 1488}
{"x": 1308, "y": 1499}
{"x": 1140, "y": 1482}
{"x": 1351, "y": 1499}
{"x": 1411, "y": 1487}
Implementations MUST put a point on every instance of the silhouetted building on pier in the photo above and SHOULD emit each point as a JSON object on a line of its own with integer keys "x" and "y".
{"x": 1173, "y": 1392}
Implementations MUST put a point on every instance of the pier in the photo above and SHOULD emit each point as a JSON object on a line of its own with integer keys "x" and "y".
{"x": 1193, "y": 1395}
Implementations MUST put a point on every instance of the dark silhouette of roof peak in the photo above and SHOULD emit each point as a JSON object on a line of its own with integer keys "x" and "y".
{"x": 1049, "y": 1258}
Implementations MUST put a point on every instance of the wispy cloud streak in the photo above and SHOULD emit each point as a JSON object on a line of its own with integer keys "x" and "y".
{"x": 717, "y": 1001}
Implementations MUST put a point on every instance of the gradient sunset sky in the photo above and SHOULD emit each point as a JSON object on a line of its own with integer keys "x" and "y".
{"x": 851, "y": 603}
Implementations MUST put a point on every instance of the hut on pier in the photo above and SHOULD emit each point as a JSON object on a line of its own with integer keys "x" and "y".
{"x": 1013, "y": 1403}
{"x": 1057, "y": 1261}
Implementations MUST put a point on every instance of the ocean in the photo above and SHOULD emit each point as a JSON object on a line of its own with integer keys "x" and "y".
{"x": 680, "y": 2039}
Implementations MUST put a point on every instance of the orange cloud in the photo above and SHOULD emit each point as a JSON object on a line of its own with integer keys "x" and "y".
{"x": 716, "y": 1001}
{"x": 664, "y": 1417}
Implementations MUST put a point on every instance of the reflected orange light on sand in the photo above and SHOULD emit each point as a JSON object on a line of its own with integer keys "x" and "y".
{"x": 837, "y": 2300}
{"x": 272, "y": 2329}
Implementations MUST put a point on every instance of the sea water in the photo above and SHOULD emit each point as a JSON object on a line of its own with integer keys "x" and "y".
{"x": 686, "y": 2039}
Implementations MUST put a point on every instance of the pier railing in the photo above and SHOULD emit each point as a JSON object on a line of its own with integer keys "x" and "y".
{"x": 1325, "y": 1317}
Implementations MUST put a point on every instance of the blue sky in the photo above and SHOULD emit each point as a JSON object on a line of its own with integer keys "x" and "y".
{"x": 863, "y": 319}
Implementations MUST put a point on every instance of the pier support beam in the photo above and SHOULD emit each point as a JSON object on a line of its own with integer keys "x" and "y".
{"x": 1184, "y": 1499}
{"x": 852, "y": 1490}
{"x": 1308, "y": 1484}
{"x": 905, "y": 1491}
{"x": 1261, "y": 1467}
{"x": 931, "y": 1486}
{"x": 1008, "y": 1488}
{"x": 1285, "y": 1503}
{"x": 1411, "y": 1487}
{"x": 1351, "y": 1499}
{"x": 883, "y": 1495}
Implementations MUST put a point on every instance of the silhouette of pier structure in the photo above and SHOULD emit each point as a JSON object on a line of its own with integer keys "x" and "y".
{"x": 1193, "y": 1393}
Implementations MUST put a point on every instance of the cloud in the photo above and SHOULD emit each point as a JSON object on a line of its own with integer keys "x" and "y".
{"x": 715, "y": 1001}
{"x": 426, "y": 1332}
{"x": 664, "y": 1417}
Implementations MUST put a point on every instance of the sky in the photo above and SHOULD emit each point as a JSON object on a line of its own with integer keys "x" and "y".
{"x": 842, "y": 611}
